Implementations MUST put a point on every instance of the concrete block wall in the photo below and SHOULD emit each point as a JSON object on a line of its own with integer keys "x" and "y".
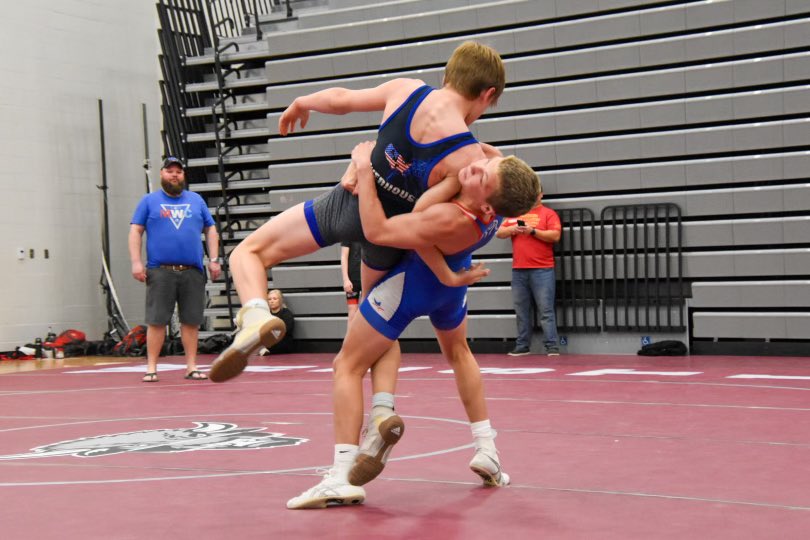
{"x": 59, "y": 58}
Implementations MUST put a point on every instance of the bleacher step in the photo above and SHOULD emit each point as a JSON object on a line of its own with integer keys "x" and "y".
{"x": 233, "y": 185}
{"x": 219, "y": 311}
{"x": 229, "y": 160}
{"x": 231, "y": 109}
{"x": 247, "y": 209}
{"x": 212, "y": 86}
{"x": 235, "y": 134}
{"x": 215, "y": 287}
{"x": 258, "y": 50}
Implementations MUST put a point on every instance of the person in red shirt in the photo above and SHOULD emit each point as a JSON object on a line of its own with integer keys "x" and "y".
{"x": 533, "y": 237}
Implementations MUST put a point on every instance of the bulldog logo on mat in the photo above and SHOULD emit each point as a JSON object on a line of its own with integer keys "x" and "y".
{"x": 206, "y": 436}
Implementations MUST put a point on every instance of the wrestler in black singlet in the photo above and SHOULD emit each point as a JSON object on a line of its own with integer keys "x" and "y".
{"x": 402, "y": 168}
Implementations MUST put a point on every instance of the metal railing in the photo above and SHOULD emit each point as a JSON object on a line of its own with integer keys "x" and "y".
{"x": 236, "y": 16}
{"x": 222, "y": 18}
{"x": 183, "y": 32}
{"x": 577, "y": 290}
{"x": 191, "y": 28}
{"x": 642, "y": 268}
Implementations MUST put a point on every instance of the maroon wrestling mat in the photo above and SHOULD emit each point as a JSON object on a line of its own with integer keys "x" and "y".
{"x": 608, "y": 447}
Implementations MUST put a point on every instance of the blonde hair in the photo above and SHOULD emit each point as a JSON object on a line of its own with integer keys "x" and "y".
{"x": 474, "y": 68}
{"x": 519, "y": 188}
{"x": 280, "y": 296}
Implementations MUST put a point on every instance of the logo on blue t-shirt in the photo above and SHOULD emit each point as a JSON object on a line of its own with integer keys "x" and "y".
{"x": 176, "y": 212}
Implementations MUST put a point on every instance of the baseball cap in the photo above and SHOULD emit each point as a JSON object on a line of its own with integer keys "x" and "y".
{"x": 172, "y": 161}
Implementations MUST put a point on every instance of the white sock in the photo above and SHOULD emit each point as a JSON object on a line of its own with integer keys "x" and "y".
{"x": 344, "y": 459}
{"x": 260, "y": 303}
{"x": 255, "y": 310}
{"x": 483, "y": 435}
{"x": 382, "y": 403}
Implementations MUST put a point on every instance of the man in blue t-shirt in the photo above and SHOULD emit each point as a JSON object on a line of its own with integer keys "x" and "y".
{"x": 173, "y": 219}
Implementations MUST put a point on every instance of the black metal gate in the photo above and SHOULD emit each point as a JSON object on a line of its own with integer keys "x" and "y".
{"x": 642, "y": 268}
{"x": 577, "y": 298}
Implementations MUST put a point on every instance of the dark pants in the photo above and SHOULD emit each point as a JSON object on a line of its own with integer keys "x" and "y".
{"x": 537, "y": 283}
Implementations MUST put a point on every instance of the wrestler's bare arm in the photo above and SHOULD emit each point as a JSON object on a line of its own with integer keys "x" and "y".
{"x": 439, "y": 193}
{"x": 337, "y": 100}
{"x": 420, "y": 231}
{"x": 435, "y": 260}
{"x": 449, "y": 186}
{"x": 406, "y": 231}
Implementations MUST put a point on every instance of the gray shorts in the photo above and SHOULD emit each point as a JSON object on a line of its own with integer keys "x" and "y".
{"x": 165, "y": 287}
{"x": 335, "y": 217}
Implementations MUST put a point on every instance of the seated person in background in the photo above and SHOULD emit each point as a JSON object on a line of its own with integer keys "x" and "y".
{"x": 278, "y": 308}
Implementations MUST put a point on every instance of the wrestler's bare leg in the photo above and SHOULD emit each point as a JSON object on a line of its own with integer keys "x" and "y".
{"x": 456, "y": 351}
{"x": 362, "y": 347}
{"x": 385, "y": 370}
{"x": 485, "y": 462}
{"x": 283, "y": 237}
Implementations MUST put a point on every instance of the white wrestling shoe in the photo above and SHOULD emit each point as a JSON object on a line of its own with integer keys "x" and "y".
{"x": 382, "y": 433}
{"x": 329, "y": 492}
{"x": 485, "y": 464}
{"x": 233, "y": 360}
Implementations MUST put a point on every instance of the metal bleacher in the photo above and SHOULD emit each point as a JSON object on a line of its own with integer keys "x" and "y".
{"x": 700, "y": 104}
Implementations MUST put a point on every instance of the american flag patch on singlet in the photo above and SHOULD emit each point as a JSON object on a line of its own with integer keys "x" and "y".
{"x": 395, "y": 159}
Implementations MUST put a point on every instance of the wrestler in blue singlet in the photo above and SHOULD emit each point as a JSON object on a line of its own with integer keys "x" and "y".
{"x": 411, "y": 289}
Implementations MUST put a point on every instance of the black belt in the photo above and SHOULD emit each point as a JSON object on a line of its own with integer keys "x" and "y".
{"x": 177, "y": 267}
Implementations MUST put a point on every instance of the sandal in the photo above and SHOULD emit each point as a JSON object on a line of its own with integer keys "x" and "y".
{"x": 150, "y": 377}
{"x": 196, "y": 375}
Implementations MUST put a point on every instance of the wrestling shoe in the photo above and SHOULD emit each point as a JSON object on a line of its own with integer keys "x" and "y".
{"x": 519, "y": 351}
{"x": 329, "y": 492}
{"x": 248, "y": 340}
{"x": 382, "y": 433}
{"x": 485, "y": 464}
